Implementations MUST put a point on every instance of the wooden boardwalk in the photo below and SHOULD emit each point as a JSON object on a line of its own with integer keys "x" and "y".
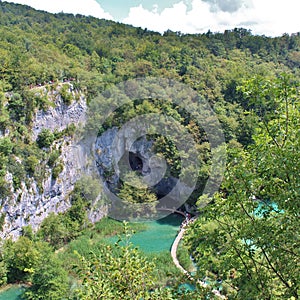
{"x": 181, "y": 268}
{"x": 175, "y": 259}
{"x": 174, "y": 251}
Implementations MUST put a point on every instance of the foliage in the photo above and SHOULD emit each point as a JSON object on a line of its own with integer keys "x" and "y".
{"x": 121, "y": 273}
{"x": 247, "y": 236}
{"x": 21, "y": 258}
{"x": 54, "y": 155}
{"x": 45, "y": 138}
{"x": 138, "y": 199}
{"x": 134, "y": 190}
{"x": 50, "y": 280}
{"x": 58, "y": 168}
{"x": 6, "y": 146}
{"x": 256, "y": 256}
{"x": 67, "y": 97}
{"x": 88, "y": 189}
{"x": 59, "y": 229}
{"x": 29, "y": 260}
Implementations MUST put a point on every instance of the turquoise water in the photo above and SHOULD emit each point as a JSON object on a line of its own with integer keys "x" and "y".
{"x": 158, "y": 236}
{"x": 187, "y": 287}
{"x": 266, "y": 207}
{"x": 13, "y": 293}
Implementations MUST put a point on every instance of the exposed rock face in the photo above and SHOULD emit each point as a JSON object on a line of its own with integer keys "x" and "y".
{"x": 29, "y": 205}
{"x": 114, "y": 148}
{"x": 60, "y": 116}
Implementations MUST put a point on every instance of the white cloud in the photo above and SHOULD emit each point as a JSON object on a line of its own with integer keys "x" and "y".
{"x": 277, "y": 17}
{"x": 268, "y": 17}
{"x": 86, "y": 7}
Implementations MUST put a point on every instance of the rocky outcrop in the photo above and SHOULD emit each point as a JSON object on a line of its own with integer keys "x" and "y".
{"x": 118, "y": 152}
{"x": 29, "y": 205}
{"x": 61, "y": 115}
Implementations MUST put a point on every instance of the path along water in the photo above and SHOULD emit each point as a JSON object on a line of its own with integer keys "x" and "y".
{"x": 161, "y": 235}
{"x": 180, "y": 267}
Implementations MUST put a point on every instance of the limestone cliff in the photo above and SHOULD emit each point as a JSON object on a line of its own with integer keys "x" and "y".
{"x": 30, "y": 204}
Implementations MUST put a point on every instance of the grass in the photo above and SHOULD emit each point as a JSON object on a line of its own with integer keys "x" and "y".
{"x": 93, "y": 239}
{"x": 165, "y": 270}
{"x": 109, "y": 227}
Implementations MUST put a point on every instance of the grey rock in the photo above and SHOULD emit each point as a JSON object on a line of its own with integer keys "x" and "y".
{"x": 27, "y": 205}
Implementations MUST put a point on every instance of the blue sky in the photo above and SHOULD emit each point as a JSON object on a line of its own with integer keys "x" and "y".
{"x": 268, "y": 17}
{"x": 120, "y": 9}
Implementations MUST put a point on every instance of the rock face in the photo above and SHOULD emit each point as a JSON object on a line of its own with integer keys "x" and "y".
{"x": 60, "y": 116}
{"x": 29, "y": 205}
{"x": 118, "y": 152}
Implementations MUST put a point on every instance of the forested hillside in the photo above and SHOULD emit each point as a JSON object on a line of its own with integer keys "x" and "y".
{"x": 245, "y": 238}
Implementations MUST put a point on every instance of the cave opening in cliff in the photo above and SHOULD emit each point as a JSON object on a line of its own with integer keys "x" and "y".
{"x": 135, "y": 162}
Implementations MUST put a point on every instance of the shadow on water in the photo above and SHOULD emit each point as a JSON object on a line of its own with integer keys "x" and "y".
{"x": 171, "y": 219}
{"x": 12, "y": 293}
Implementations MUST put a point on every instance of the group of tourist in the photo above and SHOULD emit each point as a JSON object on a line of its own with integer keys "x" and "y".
{"x": 188, "y": 219}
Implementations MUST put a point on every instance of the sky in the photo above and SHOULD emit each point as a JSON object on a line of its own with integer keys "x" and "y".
{"x": 263, "y": 17}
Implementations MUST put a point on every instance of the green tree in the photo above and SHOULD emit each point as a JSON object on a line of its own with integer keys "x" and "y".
{"x": 54, "y": 230}
{"x": 45, "y": 138}
{"x": 3, "y": 273}
{"x": 88, "y": 189}
{"x": 50, "y": 280}
{"x": 6, "y": 146}
{"x": 248, "y": 236}
{"x": 134, "y": 190}
{"x": 21, "y": 258}
{"x": 117, "y": 272}
{"x": 16, "y": 107}
{"x": 31, "y": 164}
{"x": 138, "y": 199}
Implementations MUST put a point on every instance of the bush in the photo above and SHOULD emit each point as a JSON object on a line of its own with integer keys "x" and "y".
{"x": 54, "y": 155}
{"x": 31, "y": 163}
{"x": 45, "y": 138}
{"x": 2, "y": 220}
{"x": 18, "y": 171}
{"x": 66, "y": 96}
{"x": 50, "y": 280}
{"x": 57, "y": 170}
{"x": 6, "y": 146}
{"x": 3, "y": 273}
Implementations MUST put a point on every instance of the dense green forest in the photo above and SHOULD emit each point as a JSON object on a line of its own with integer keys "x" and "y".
{"x": 247, "y": 237}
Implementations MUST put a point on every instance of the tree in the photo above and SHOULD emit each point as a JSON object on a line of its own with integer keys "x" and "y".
{"x": 45, "y": 138}
{"x": 50, "y": 280}
{"x": 54, "y": 230}
{"x": 16, "y": 107}
{"x": 21, "y": 258}
{"x": 138, "y": 199}
{"x": 248, "y": 236}
{"x": 6, "y": 146}
{"x": 118, "y": 272}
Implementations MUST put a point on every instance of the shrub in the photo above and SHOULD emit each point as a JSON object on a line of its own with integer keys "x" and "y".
{"x": 45, "y": 138}
{"x": 54, "y": 155}
{"x": 57, "y": 170}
